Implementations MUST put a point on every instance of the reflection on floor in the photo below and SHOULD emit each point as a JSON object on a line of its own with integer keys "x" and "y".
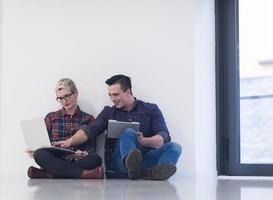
{"x": 183, "y": 188}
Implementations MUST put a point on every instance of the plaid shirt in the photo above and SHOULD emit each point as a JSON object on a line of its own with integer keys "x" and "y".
{"x": 61, "y": 126}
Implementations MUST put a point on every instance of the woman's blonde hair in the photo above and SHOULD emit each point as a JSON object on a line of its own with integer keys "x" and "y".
{"x": 66, "y": 83}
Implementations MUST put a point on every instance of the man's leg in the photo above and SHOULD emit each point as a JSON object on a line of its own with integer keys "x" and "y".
{"x": 126, "y": 157}
{"x": 159, "y": 164}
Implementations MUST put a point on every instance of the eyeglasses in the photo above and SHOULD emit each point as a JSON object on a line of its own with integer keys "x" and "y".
{"x": 65, "y": 97}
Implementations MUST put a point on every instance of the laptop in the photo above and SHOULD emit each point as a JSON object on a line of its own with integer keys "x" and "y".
{"x": 116, "y": 128}
{"x": 36, "y": 136}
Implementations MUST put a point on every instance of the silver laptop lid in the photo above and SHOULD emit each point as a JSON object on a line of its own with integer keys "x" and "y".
{"x": 35, "y": 133}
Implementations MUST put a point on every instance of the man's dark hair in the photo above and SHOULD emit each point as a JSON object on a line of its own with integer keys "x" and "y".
{"x": 124, "y": 81}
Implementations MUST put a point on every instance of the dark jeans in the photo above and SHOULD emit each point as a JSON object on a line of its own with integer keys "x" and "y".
{"x": 62, "y": 168}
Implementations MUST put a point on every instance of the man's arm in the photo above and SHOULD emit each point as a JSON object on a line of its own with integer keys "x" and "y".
{"x": 155, "y": 141}
{"x": 78, "y": 138}
{"x": 158, "y": 123}
{"x": 86, "y": 132}
{"x": 90, "y": 144}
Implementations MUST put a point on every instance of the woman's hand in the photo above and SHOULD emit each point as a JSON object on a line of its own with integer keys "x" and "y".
{"x": 77, "y": 155}
{"x": 30, "y": 153}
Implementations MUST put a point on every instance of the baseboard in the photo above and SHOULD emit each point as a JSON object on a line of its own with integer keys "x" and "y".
{"x": 194, "y": 175}
{"x": 245, "y": 178}
{"x": 13, "y": 174}
{"x": 180, "y": 174}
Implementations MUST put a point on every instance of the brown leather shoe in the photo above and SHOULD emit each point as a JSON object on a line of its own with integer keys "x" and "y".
{"x": 34, "y": 172}
{"x": 133, "y": 164}
{"x": 160, "y": 172}
{"x": 96, "y": 173}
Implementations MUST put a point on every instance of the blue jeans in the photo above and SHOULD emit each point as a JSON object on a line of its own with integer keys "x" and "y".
{"x": 127, "y": 142}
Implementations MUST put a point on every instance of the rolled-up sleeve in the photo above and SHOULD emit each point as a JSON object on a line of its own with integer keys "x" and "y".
{"x": 158, "y": 123}
{"x": 98, "y": 126}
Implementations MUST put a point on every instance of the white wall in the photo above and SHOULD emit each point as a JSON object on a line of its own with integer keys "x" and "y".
{"x": 154, "y": 42}
{"x": 1, "y": 19}
{"x": 205, "y": 100}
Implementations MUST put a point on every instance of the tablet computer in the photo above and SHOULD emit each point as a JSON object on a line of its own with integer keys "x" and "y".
{"x": 116, "y": 128}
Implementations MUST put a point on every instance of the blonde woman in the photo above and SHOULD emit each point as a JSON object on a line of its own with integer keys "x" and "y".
{"x": 62, "y": 124}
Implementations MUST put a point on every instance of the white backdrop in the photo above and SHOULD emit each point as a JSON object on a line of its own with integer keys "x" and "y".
{"x": 167, "y": 47}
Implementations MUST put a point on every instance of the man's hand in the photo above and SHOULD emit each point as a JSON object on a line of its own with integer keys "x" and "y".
{"x": 29, "y": 153}
{"x": 78, "y": 155}
{"x": 140, "y": 139}
{"x": 64, "y": 143}
{"x": 78, "y": 138}
{"x": 155, "y": 141}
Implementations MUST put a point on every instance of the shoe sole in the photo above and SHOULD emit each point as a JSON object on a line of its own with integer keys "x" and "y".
{"x": 163, "y": 171}
{"x": 133, "y": 164}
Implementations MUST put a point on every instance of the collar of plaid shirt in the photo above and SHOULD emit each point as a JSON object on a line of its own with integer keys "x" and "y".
{"x": 76, "y": 114}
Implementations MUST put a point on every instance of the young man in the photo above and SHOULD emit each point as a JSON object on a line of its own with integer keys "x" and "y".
{"x": 147, "y": 154}
{"x": 61, "y": 125}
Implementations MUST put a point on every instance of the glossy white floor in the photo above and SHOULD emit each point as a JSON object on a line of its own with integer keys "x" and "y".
{"x": 173, "y": 189}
